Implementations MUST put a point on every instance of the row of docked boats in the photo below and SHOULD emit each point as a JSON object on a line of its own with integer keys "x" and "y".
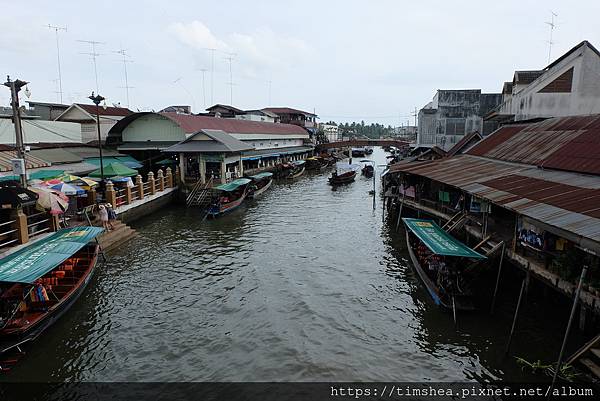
{"x": 231, "y": 195}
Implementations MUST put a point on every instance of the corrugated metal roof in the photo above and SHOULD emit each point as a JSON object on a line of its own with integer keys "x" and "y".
{"x": 30, "y": 160}
{"x": 56, "y": 155}
{"x": 108, "y": 111}
{"x": 287, "y": 110}
{"x": 220, "y": 142}
{"x": 568, "y": 201}
{"x": 566, "y": 143}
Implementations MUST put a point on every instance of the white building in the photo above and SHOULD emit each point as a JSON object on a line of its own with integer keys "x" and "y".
{"x": 570, "y": 86}
{"x": 258, "y": 115}
{"x": 331, "y": 131}
{"x": 36, "y": 131}
{"x": 85, "y": 115}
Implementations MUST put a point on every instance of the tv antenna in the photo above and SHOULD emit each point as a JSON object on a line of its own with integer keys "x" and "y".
{"x": 56, "y": 30}
{"x": 552, "y": 25}
{"x": 230, "y": 57}
{"x": 178, "y": 81}
{"x": 126, "y": 59}
{"x": 203, "y": 70}
{"x": 94, "y": 55}
{"x": 212, "y": 72}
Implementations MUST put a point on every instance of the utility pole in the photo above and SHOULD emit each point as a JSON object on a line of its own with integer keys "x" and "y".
{"x": 18, "y": 164}
{"x": 270, "y": 83}
{"x": 230, "y": 58}
{"x": 415, "y": 114}
{"x": 94, "y": 55}
{"x": 203, "y": 86}
{"x": 56, "y": 29}
{"x": 126, "y": 59}
{"x": 552, "y": 25}
{"x": 97, "y": 99}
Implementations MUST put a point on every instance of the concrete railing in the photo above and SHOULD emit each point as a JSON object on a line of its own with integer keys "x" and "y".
{"x": 140, "y": 190}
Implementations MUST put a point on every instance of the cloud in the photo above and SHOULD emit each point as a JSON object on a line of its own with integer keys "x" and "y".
{"x": 255, "y": 51}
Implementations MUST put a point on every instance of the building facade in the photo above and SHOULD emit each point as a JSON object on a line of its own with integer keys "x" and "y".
{"x": 85, "y": 115}
{"x": 331, "y": 132}
{"x": 452, "y": 114}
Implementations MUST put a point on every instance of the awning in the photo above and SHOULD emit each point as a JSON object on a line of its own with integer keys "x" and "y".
{"x": 439, "y": 241}
{"x": 125, "y": 160}
{"x": 233, "y": 185}
{"x": 114, "y": 169}
{"x": 13, "y": 196}
{"x": 260, "y": 176}
{"x": 46, "y": 174}
{"x": 32, "y": 262}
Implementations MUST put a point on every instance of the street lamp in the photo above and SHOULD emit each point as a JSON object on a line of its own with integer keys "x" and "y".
{"x": 374, "y": 167}
{"x": 15, "y": 87}
{"x": 97, "y": 99}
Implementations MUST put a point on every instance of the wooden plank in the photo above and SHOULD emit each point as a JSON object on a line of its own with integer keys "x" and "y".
{"x": 595, "y": 369}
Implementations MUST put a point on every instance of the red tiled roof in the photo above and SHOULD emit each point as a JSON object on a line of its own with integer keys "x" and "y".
{"x": 109, "y": 111}
{"x": 287, "y": 110}
{"x": 565, "y": 143}
{"x": 192, "y": 124}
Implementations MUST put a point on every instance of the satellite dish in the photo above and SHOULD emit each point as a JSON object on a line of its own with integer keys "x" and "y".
{"x": 27, "y": 92}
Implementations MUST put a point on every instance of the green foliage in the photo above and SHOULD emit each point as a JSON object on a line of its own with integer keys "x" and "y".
{"x": 567, "y": 372}
{"x": 374, "y": 130}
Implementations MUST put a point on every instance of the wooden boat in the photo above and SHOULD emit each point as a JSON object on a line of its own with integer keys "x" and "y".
{"x": 358, "y": 152}
{"x": 315, "y": 163}
{"x": 297, "y": 170}
{"x": 344, "y": 173}
{"x": 229, "y": 197}
{"x": 260, "y": 183}
{"x": 40, "y": 282}
{"x": 368, "y": 171}
{"x": 439, "y": 260}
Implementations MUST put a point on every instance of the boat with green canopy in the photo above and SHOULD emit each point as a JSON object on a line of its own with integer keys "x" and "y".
{"x": 260, "y": 183}
{"x": 41, "y": 281}
{"x": 229, "y": 196}
{"x": 440, "y": 261}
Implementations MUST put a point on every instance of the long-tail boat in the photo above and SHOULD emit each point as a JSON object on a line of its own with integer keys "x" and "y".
{"x": 344, "y": 173}
{"x": 40, "y": 282}
{"x": 440, "y": 261}
{"x": 368, "y": 170}
{"x": 297, "y": 169}
{"x": 229, "y": 196}
{"x": 260, "y": 183}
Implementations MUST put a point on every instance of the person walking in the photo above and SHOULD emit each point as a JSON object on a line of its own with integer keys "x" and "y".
{"x": 112, "y": 216}
{"x": 103, "y": 214}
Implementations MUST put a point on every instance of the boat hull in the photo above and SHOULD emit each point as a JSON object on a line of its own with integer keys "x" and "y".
{"x": 227, "y": 207}
{"x": 261, "y": 191}
{"x": 15, "y": 339}
{"x": 297, "y": 174}
{"x": 342, "y": 179}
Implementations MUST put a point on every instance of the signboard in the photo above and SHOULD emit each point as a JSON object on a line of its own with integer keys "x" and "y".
{"x": 479, "y": 205}
{"x": 18, "y": 166}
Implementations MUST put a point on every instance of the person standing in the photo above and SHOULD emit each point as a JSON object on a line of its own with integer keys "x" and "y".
{"x": 112, "y": 216}
{"x": 103, "y": 214}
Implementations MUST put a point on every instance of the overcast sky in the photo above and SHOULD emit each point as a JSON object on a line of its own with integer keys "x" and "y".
{"x": 347, "y": 60}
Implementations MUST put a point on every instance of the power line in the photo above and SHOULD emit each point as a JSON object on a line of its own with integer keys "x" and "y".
{"x": 56, "y": 29}
{"x": 126, "y": 59}
{"x": 94, "y": 55}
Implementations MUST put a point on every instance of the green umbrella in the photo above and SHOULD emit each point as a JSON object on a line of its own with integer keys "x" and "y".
{"x": 114, "y": 169}
{"x": 46, "y": 174}
{"x": 166, "y": 162}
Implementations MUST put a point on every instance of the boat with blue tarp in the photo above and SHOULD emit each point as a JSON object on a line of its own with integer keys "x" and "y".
{"x": 229, "y": 196}
{"x": 260, "y": 183}
{"x": 442, "y": 262}
{"x": 40, "y": 282}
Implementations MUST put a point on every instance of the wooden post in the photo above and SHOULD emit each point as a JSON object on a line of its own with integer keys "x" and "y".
{"x": 111, "y": 195}
{"x": 140, "y": 186}
{"x": 161, "y": 180}
{"x": 151, "y": 183}
{"x": 169, "y": 178}
{"x": 514, "y": 323}
{"x": 91, "y": 196}
{"x": 497, "y": 281}
{"x": 400, "y": 211}
{"x": 21, "y": 226}
{"x": 178, "y": 176}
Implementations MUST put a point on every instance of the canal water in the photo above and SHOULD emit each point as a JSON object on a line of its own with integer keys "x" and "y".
{"x": 305, "y": 283}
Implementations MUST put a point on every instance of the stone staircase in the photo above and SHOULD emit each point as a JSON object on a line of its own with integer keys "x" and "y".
{"x": 111, "y": 239}
{"x": 587, "y": 358}
{"x": 201, "y": 194}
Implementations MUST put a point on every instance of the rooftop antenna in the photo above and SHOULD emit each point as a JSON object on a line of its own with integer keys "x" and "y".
{"x": 230, "y": 57}
{"x": 203, "y": 70}
{"x": 270, "y": 84}
{"x": 212, "y": 72}
{"x": 126, "y": 59}
{"x": 94, "y": 55}
{"x": 56, "y": 29}
{"x": 57, "y": 91}
{"x": 552, "y": 25}
{"x": 178, "y": 81}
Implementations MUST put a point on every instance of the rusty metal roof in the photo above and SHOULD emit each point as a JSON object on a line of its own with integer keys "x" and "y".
{"x": 568, "y": 201}
{"x": 30, "y": 161}
{"x": 565, "y": 143}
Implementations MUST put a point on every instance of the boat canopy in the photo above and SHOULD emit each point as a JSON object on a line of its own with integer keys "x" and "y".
{"x": 439, "y": 241}
{"x": 33, "y": 261}
{"x": 261, "y": 176}
{"x": 233, "y": 185}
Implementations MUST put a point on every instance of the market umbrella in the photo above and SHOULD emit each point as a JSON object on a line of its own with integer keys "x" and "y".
{"x": 166, "y": 162}
{"x": 85, "y": 183}
{"x": 46, "y": 174}
{"x": 55, "y": 181}
{"x": 114, "y": 169}
{"x": 48, "y": 199}
{"x": 68, "y": 189}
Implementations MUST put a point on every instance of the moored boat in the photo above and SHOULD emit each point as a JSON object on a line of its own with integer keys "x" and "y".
{"x": 440, "y": 261}
{"x": 358, "y": 152}
{"x": 260, "y": 183}
{"x": 40, "y": 282}
{"x": 344, "y": 173}
{"x": 229, "y": 197}
{"x": 368, "y": 170}
{"x": 297, "y": 169}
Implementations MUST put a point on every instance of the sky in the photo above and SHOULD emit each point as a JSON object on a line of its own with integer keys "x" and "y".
{"x": 345, "y": 60}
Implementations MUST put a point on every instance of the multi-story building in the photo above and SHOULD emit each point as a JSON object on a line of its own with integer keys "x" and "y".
{"x": 331, "y": 132}
{"x": 85, "y": 114}
{"x": 287, "y": 115}
{"x": 452, "y": 114}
